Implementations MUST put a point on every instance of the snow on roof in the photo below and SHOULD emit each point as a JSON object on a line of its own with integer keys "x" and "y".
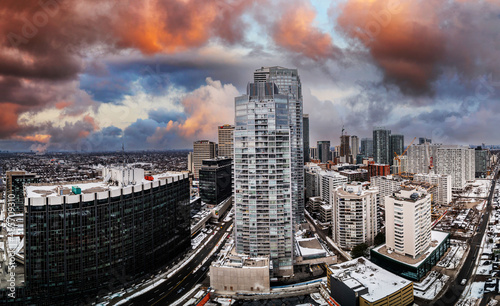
{"x": 437, "y": 237}
{"x": 362, "y": 272}
{"x": 34, "y": 191}
{"x": 310, "y": 247}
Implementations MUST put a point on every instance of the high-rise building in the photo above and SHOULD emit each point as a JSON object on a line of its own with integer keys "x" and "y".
{"x": 324, "y": 154}
{"x": 16, "y": 180}
{"x": 354, "y": 215}
{"x": 422, "y": 140}
{"x": 106, "y": 236}
{"x": 381, "y": 146}
{"x": 345, "y": 152}
{"x": 313, "y": 153}
{"x": 442, "y": 193}
{"x": 312, "y": 180}
{"x": 190, "y": 162}
{"x": 329, "y": 181}
{"x": 215, "y": 180}
{"x": 454, "y": 160}
{"x": 386, "y": 185}
{"x": 202, "y": 149}
{"x": 288, "y": 83}
{"x": 482, "y": 161}
{"x": 354, "y": 148}
{"x": 367, "y": 147}
{"x": 408, "y": 222}
{"x": 306, "y": 138}
{"x": 226, "y": 135}
{"x": 263, "y": 176}
{"x": 397, "y": 146}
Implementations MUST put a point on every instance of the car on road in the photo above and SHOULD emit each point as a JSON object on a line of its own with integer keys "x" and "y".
{"x": 463, "y": 282}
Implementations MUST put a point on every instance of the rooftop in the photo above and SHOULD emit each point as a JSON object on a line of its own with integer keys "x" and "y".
{"x": 361, "y": 273}
{"x": 87, "y": 187}
{"x": 437, "y": 238}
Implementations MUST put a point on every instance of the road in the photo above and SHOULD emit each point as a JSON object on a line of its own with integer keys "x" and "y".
{"x": 455, "y": 290}
{"x": 184, "y": 280}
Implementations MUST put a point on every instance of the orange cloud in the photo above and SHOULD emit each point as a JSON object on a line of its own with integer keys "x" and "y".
{"x": 41, "y": 138}
{"x": 176, "y": 25}
{"x": 63, "y": 104}
{"x": 404, "y": 39}
{"x": 92, "y": 122}
{"x": 207, "y": 107}
{"x": 295, "y": 31}
{"x": 8, "y": 118}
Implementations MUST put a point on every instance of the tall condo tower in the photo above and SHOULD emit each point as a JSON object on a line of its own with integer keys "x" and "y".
{"x": 382, "y": 146}
{"x": 263, "y": 176}
{"x": 288, "y": 83}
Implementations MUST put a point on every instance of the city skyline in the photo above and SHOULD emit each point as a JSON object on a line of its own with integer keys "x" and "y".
{"x": 95, "y": 81}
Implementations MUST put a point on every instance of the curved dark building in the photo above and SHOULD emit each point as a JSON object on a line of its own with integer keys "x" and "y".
{"x": 79, "y": 246}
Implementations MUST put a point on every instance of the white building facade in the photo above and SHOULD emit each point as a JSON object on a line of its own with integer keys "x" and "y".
{"x": 442, "y": 194}
{"x": 354, "y": 215}
{"x": 329, "y": 181}
{"x": 454, "y": 160}
{"x": 408, "y": 222}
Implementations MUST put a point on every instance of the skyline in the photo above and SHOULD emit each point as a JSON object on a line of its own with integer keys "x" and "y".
{"x": 79, "y": 76}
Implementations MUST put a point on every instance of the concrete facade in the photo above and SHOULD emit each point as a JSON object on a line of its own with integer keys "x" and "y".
{"x": 408, "y": 222}
{"x": 354, "y": 215}
{"x": 239, "y": 273}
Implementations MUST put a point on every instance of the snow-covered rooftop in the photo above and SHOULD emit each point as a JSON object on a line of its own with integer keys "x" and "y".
{"x": 33, "y": 191}
{"x": 362, "y": 272}
{"x": 310, "y": 247}
{"x": 437, "y": 237}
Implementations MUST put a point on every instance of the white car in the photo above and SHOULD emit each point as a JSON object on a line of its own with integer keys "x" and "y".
{"x": 463, "y": 282}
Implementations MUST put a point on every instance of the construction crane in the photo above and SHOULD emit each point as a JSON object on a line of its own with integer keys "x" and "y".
{"x": 398, "y": 157}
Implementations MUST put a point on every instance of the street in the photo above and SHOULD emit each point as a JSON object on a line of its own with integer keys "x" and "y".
{"x": 184, "y": 280}
{"x": 455, "y": 290}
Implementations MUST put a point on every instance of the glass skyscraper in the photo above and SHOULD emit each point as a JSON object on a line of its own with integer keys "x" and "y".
{"x": 382, "y": 146}
{"x": 263, "y": 178}
{"x": 288, "y": 82}
{"x": 79, "y": 246}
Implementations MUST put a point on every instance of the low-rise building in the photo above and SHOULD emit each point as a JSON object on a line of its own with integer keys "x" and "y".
{"x": 361, "y": 282}
{"x": 240, "y": 273}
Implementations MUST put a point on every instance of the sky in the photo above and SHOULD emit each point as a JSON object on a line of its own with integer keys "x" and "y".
{"x": 160, "y": 74}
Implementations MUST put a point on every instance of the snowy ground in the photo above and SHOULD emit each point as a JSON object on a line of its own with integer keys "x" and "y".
{"x": 455, "y": 254}
{"x": 430, "y": 286}
{"x": 480, "y": 188}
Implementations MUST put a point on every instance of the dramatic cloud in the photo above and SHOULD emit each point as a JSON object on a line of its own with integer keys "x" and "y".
{"x": 295, "y": 31}
{"x": 206, "y": 108}
{"x": 76, "y": 75}
{"x": 416, "y": 42}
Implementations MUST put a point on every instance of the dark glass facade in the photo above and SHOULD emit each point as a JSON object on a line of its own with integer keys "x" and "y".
{"x": 77, "y": 251}
{"x": 215, "y": 180}
{"x": 15, "y": 185}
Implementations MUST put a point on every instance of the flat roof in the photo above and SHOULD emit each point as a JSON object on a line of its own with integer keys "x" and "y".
{"x": 362, "y": 272}
{"x": 437, "y": 237}
{"x": 33, "y": 191}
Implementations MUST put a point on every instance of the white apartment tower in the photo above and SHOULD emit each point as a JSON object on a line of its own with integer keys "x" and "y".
{"x": 354, "y": 215}
{"x": 442, "y": 194}
{"x": 454, "y": 160}
{"x": 386, "y": 185}
{"x": 288, "y": 82}
{"x": 329, "y": 181}
{"x": 263, "y": 176}
{"x": 408, "y": 222}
